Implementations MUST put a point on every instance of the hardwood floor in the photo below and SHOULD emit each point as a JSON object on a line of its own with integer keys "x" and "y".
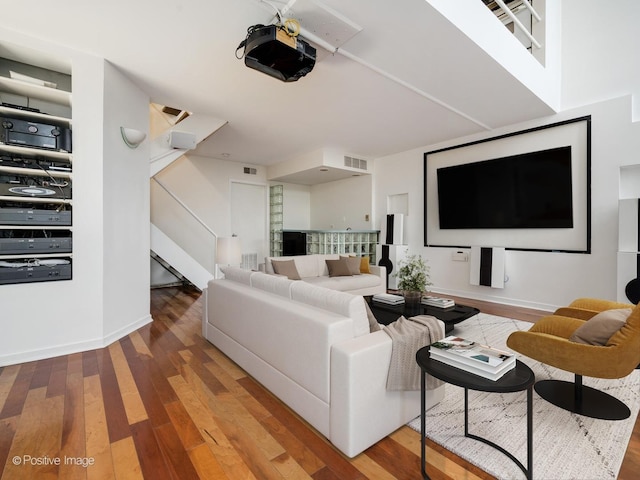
{"x": 163, "y": 403}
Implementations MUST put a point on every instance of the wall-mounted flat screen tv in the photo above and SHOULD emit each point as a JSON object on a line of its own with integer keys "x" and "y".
{"x": 531, "y": 190}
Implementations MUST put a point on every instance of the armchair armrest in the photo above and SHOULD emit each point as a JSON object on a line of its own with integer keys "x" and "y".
{"x": 597, "y": 304}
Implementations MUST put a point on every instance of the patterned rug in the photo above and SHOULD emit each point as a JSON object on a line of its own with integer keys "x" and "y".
{"x": 565, "y": 445}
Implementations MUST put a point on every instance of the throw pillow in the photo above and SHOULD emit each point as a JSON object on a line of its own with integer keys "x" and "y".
{"x": 374, "y": 326}
{"x": 599, "y": 328}
{"x": 353, "y": 263}
{"x": 364, "y": 265}
{"x": 287, "y": 268}
{"x": 338, "y": 268}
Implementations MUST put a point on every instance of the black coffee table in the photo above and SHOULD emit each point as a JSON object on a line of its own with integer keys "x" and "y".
{"x": 520, "y": 378}
{"x": 386, "y": 314}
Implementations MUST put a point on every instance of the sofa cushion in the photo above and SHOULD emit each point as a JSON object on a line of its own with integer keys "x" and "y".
{"x": 339, "y": 267}
{"x": 599, "y": 328}
{"x": 287, "y": 268}
{"x": 346, "y": 284}
{"x": 237, "y": 274}
{"x": 353, "y": 263}
{"x": 272, "y": 283}
{"x": 342, "y": 303}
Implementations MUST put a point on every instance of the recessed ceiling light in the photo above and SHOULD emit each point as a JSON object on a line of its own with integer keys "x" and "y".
{"x": 324, "y": 169}
{"x": 225, "y": 155}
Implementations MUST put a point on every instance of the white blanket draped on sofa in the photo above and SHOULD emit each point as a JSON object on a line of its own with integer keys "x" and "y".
{"x": 408, "y": 336}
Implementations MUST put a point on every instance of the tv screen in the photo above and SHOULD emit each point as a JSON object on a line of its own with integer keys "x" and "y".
{"x": 531, "y": 190}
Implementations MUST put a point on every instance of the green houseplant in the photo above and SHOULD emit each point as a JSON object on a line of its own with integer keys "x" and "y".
{"x": 413, "y": 277}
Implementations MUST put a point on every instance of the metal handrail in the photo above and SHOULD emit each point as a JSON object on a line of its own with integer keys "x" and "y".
{"x": 185, "y": 207}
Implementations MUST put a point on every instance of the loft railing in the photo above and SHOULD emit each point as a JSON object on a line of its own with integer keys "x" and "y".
{"x": 508, "y": 11}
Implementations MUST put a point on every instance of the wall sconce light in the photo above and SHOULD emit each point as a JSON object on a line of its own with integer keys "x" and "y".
{"x": 132, "y": 137}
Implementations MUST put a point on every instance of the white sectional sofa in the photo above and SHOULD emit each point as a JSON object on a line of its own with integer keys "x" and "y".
{"x": 313, "y": 269}
{"x": 312, "y": 348}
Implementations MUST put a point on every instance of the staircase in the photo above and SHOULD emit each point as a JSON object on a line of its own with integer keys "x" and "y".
{"x": 164, "y": 250}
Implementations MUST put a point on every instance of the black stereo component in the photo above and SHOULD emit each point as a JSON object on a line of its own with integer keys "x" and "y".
{"x": 25, "y": 186}
{"x": 27, "y": 133}
{"x": 22, "y": 242}
{"x": 34, "y": 270}
{"x": 46, "y": 214}
{"x": 34, "y": 163}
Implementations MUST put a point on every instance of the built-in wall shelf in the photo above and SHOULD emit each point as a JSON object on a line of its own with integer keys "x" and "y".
{"x": 32, "y": 90}
{"x": 35, "y": 176}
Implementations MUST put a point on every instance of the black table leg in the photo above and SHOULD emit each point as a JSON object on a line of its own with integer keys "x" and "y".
{"x": 529, "y": 471}
{"x": 423, "y": 432}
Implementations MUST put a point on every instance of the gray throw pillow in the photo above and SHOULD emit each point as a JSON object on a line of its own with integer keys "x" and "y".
{"x": 353, "y": 263}
{"x": 338, "y": 268}
{"x": 286, "y": 267}
{"x": 599, "y": 328}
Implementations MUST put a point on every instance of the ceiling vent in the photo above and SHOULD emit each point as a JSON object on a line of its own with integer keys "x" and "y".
{"x": 355, "y": 163}
{"x": 250, "y": 171}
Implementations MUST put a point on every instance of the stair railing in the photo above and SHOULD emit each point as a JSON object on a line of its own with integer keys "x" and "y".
{"x": 184, "y": 207}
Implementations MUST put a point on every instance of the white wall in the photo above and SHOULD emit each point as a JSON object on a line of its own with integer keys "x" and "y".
{"x": 536, "y": 279}
{"x": 203, "y": 184}
{"x": 125, "y": 209}
{"x": 52, "y": 318}
{"x": 296, "y": 207}
{"x": 342, "y": 204}
{"x": 600, "y": 52}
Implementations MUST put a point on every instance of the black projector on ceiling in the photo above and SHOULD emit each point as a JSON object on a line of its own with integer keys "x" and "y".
{"x": 271, "y": 50}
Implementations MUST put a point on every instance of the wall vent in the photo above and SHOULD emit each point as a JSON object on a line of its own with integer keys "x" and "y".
{"x": 250, "y": 171}
{"x": 355, "y": 163}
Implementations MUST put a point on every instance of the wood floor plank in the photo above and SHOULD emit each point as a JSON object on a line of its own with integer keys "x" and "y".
{"x": 58, "y": 378}
{"x": 195, "y": 398}
{"x": 186, "y": 430}
{"x": 133, "y": 405}
{"x": 17, "y": 395}
{"x": 33, "y": 462}
{"x": 117, "y": 422}
{"x": 125, "y": 460}
{"x": 8, "y": 376}
{"x": 73, "y": 436}
{"x": 152, "y": 460}
{"x": 98, "y": 446}
{"x": 333, "y": 460}
{"x": 7, "y": 435}
{"x": 206, "y": 464}
{"x": 178, "y": 461}
{"x": 41, "y": 374}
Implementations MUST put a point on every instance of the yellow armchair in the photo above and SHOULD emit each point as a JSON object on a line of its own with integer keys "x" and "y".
{"x": 548, "y": 342}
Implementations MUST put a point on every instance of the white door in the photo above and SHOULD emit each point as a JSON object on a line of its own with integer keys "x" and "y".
{"x": 249, "y": 218}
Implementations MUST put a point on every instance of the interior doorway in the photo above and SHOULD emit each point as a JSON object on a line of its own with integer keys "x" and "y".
{"x": 249, "y": 221}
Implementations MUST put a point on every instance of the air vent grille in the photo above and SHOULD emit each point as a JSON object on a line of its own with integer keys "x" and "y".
{"x": 355, "y": 163}
{"x": 250, "y": 171}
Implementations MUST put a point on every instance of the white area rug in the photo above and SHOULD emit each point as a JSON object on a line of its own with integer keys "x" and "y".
{"x": 565, "y": 445}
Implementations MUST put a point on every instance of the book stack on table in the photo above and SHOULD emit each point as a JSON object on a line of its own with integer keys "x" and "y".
{"x": 388, "y": 298}
{"x": 487, "y": 362}
{"x": 438, "y": 302}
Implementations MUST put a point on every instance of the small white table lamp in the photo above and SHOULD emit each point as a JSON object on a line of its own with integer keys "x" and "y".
{"x": 228, "y": 252}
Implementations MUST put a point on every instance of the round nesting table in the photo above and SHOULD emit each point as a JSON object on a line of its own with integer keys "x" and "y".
{"x": 520, "y": 378}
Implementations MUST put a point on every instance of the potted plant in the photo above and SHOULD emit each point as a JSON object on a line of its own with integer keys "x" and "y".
{"x": 413, "y": 277}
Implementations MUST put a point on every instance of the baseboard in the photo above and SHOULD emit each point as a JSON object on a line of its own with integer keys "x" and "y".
{"x": 498, "y": 300}
{"x": 70, "y": 348}
{"x": 127, "y": 329}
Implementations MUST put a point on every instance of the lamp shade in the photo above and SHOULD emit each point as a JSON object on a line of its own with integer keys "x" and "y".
{"x": 228, "y": 251}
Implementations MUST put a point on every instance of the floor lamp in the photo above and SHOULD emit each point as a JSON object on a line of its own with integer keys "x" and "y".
{"x": 228, "y": 253}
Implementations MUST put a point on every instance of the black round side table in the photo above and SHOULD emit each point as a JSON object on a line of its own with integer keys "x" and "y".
{"x": 520, "y": 378}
